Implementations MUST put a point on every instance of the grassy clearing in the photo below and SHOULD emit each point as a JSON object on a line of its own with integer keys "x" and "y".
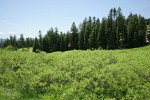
{"x": 76, "y": 74}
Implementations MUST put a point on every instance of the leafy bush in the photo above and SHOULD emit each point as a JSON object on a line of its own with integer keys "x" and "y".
{"x": 9, "y": 47}
{"x": 24, "y": 50}
{"x": 97, "y": 74}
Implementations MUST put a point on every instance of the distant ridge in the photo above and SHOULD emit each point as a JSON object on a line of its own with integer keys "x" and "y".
{"x": 1, "y": 39}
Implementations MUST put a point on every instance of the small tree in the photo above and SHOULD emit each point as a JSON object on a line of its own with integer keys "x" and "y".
{"x": 35, "y": 45}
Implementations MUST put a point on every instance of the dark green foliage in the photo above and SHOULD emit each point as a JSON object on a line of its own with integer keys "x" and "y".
{"x": 93, "y": 43}
{"x": 133, "y": 31}
{"x": 92, "y": 39}
{"x": 62, "y": 42}
{"x": 142, "y": 30}
{"x": 121, "y": 29}
{"x": 82, "y": 35}
{"x": 13, "y": 41}
{"x": 96, "y": 31}
{"x": 136, "y": 29}
{"x": 74, "y": 37}
{"x": 53, "y": 40}
{"x": 110, "y": 30}
{"x": 40, "y": 41}
{"x": 29, "y": 42}
{"x": 147, "y": 21}
{"x": 88, "y": 31}
{"x": 148, "y": 34}
{"x": 114, "y": 32}
{"x": 67, "y": 41}
{"x": 148, "y": 37}
{"x": 102, "y": 37}
{"x": 21, "y": 41}
{"x": 45, "y": 44}
{"x": 36, "y": 45}
{"x": 130, "y": 31}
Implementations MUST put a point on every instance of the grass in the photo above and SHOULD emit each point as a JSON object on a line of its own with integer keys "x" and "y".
{"x": 76, "y": 74}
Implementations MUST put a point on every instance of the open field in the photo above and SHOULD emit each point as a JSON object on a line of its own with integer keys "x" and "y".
{"x": 76, "y": 75}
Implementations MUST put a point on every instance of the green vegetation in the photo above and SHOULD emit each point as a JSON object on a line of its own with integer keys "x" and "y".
{"x": 112, "y": 32}
{"x": 84, "y": 72}
{"x": 75, "y": 75}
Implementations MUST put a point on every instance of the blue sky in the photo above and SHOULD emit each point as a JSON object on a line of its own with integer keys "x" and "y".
{"x": 29, "y": 16}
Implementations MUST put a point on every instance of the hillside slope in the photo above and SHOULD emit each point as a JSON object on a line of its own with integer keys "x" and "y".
{"x": 77, "y": 75}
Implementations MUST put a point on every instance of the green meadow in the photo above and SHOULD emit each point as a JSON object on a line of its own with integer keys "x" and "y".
{"x": 75, "y": 75}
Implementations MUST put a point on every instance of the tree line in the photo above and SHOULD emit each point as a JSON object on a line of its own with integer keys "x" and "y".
{"x": 18, "y": 43}
{"x": 113, "y": 32}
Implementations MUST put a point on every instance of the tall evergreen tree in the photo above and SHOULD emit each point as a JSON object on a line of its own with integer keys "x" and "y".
{"x": 136, "y": 31}
{"x": 7, "y": 42}
{"x": 87, "y": 33}
{"x": 14, "y": 41}
{"x": 53, "y": 40}
{"x": 81, "y": 34}
{"x": 74, "y": 37}
{"x": 56, "y": 40}
{"x": 133, "y": 32}
{"x": 36, "y": 45}
{"x": 21, "y": 42}
{"x": 93, "y": 22}
{"x": 67, "y": 41}
{"x": 40, "y": 40}
{"x": 27, "y": 43}
{"x": 11, "y": 40}
{"x": 142, "y": 30}
{"x": 94, "y": 33}
{"x": 102, "y": 38}
{"x": 62, "y": 41}
{"x": 129, "y": 17}
{"x": 121, "y": 29}
{"x": 45, "y": 44}
{"x": 130, "y": 33}
{"x": 97, "y": 31}
{"x": 111, "y": 40}
{"x": 92, "y": 39}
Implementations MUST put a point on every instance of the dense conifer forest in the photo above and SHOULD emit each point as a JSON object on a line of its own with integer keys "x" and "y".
{"x": 112, "y": 32}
